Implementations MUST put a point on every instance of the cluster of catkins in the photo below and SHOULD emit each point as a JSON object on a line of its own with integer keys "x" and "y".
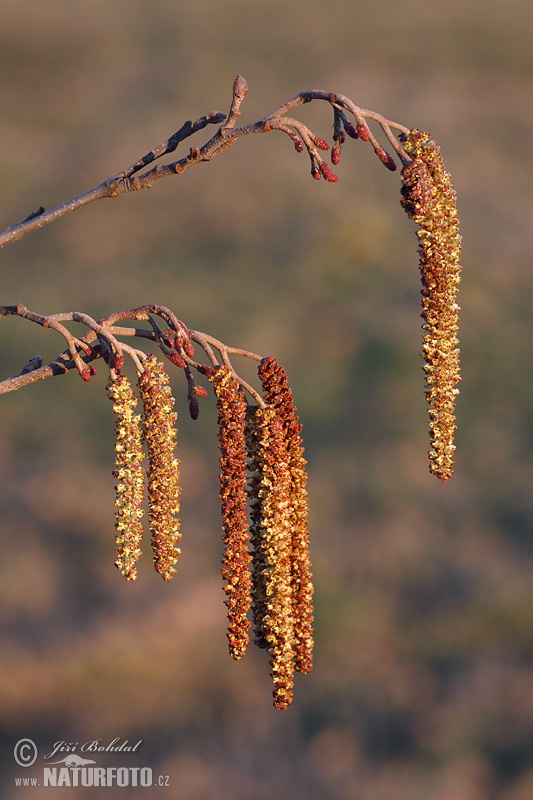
{"x": 156, "y": 426}
{"x": 263, "y": 489}
{"x": 429, "y": 199}
{"x": 266, "y": 561}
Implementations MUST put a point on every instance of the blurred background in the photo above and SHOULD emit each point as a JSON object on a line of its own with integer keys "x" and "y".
{"x": 424, "y": 635}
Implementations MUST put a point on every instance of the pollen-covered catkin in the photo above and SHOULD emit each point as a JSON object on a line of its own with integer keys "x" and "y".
{"x": 278, "y": 395}
{"x": 159, "y": 419}
{"x": 428, "y": 198}
{"x": 129, "y": 474}
{"x": 270, "y": 488}
{"x": 233, "y": 478}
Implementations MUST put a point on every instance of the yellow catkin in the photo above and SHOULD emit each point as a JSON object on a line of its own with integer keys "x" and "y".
{"x": 278, "y": 395}
{"x": 129, "y": 474}
{"x": 233, "y": 479}
{"x": 270, "y": 487}
{"x": 159, "y": 419}
{"x": 428, "y": 198}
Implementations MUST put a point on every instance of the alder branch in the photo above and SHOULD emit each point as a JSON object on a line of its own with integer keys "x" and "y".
{"x": 133, "y": 178}
{"x": 102, "y": 340}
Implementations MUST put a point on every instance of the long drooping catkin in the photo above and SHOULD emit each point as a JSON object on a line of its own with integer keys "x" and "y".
{"x": 428, "y": 198}
{"x": 270, "y": 488}
{"x": 233, "y": 477}
{"x": 278, "y": 395}
{"x": 159, "y": 430}
{"x": 129, "y": 474}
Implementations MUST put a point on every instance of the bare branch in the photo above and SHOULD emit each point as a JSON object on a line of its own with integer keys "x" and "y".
{"x": 130, "y": 179}
{"x": 175, "y": 342}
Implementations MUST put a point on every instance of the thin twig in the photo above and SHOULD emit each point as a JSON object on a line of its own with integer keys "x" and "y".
{"x": 175, "y": 342}
{"x": 133, "y": 179}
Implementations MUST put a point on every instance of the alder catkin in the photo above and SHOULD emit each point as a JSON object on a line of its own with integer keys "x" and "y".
{"x": 279, "y": 396}
{"x": 159, "y": 419}
{"x": 428, "y": 198}
{"x": 270, "y": 489}
{"x": 129, "y": 473}
{"x": 231, "y": 407}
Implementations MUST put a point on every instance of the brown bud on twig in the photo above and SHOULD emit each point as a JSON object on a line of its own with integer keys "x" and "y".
{"x": 159, "y": 420}
{"x": 240, "y": 87}
{"x": 385, "y": 157}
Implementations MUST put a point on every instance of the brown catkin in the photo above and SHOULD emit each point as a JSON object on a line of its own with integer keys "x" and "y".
{"x": 270, "y": 488}
{"x": 129, "y": 474}
{"x": 233, "y": 478}
{"x": 428, "y": 198}
{"x": 278, "y": 395}
{"x": 159, "y": 419}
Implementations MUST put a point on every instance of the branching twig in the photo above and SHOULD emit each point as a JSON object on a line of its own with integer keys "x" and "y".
{"x": 133, "y": 178}
{"x": 174, "y": 341}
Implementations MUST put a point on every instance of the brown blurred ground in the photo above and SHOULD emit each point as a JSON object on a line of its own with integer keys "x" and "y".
{"x": 422, "y": 685}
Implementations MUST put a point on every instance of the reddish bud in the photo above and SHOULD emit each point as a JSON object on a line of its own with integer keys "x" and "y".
{"x": 321, "y": 144}
{"x": 200, "y": 391}
{"x": 350, "y": 130}
{"x": 119, "y": 362}
{"x": 188, "y": 349}
{"x": 176, "y": 359}
{"x": 298, "y": 145}
{"x": 205, "y": 369}
{"x": 363, "y": 132}
{"x": 327, "y": 172}
{"x": 335, "y": 154}
{"x": 315, "y": 172}
{"x": 194, "y": 408}
{"x": 385, "y": 158}
{"x": 86, "y": 374}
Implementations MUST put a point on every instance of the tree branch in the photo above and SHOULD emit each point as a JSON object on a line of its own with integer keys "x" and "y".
{"x": 129, "y": 179}
{"x": 175, "y": 341}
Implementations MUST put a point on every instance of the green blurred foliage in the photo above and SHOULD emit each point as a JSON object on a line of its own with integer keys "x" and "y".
{"x": 422, "y": 686}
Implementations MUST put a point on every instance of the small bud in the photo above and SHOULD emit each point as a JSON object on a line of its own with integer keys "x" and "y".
{"x": 298, "y": 145}
{"x": 385, "y": 158}
{"x": 86, "y": 374}
{"x": 188, "y": 349}
{"x": 119, "y": 362}
{"x": 194, "y": 408}
{"x": 240, "y": 87}
{"x": 315, "y": 172}
{"x": 205, "y": 369}
{"x": 321, "y": 144}
{"x": 200, "y": 391}
{"x": 350, "y": 129}
{"x": 363, "y": 132}
{"x": 328, "y": 173}
{"x": 335, "y": 154}
{"x": 176, "y": 359}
